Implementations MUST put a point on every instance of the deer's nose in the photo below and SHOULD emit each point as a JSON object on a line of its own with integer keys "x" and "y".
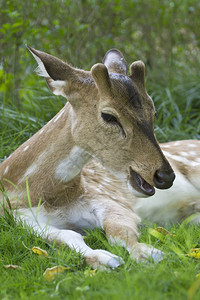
{"x": 164, "y": 180}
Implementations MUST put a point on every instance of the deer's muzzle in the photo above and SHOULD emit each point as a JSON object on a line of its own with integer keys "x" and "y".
{"x": 162, "y": 180}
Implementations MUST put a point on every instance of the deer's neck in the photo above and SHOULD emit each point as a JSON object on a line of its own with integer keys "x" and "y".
{"x": 51, "y": 161}
{"x": 65, "y": 157}
{"x": 69, "y": 158}
{"x": 68, "y": 161}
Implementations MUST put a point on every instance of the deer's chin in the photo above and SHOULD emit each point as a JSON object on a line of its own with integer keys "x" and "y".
{"x": 139, "y": 186}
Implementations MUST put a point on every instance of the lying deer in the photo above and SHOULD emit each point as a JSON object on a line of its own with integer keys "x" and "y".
{"x": 79, "y": 165}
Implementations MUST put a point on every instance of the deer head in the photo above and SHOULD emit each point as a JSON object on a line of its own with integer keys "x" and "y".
{"x": 112, "y": 118}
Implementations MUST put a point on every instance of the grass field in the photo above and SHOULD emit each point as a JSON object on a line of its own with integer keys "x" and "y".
{"x": 176, "y": 277}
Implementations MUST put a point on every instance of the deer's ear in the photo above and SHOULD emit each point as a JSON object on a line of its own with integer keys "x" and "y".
{"x": 115, "y": 62}
{"x": 50, "y": 66}
{"x": 60, "y": 77}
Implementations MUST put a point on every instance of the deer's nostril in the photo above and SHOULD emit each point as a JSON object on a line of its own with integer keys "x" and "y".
{"x": 163, "y": 180}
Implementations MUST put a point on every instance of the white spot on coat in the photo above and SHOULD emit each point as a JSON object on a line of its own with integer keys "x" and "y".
{"x": 6, "y": 170}
{"x": 192, "y": 145}
{"x": 72, "y": 164}
{"x": 177, "y": 143}
{"x": 90, "y": 171}
{"x": 193, "y": 153}
{"x": 41, "y": 131}
{"x": 183, "y": 153}
{"x": 32, "y": 169}
{"x": 58, "y": 116}
{"x": 26, "y": 148}
{"x": 182, "y": 159}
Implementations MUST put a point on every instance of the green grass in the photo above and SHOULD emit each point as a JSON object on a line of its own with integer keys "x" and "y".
{"x": 170, "y": 279}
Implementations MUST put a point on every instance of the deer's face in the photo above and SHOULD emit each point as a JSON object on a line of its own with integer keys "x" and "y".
{"x": 119, "y": 133}
{"x": 113, "y": 119}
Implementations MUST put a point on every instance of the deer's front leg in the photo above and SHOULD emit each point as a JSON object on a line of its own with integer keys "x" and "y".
{"x": 120, "y": 225}
{"x": 45, "y": 225}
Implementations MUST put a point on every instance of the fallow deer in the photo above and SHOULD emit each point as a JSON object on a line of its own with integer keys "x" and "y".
{"x": 82, "y": 161}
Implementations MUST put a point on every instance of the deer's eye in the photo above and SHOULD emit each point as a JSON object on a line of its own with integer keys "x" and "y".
{"x": 109, "y": 118}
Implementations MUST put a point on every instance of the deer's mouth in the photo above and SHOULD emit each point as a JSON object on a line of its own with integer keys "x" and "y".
{"x": 140, "y": 185}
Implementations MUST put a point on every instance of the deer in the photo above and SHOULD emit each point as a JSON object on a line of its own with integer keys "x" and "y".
{"x": 91, "y": 162}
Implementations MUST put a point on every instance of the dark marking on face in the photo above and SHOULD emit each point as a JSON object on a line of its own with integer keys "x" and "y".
{"x": 133, "y": 96}
{"x": 147, "y": 130}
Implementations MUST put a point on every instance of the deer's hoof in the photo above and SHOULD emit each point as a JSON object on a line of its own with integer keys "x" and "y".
{"x": 146, "y": 253}
{"x": 103, "y": 260}
{"x": 157, "y": 255}
{"x": 114, "y": 263}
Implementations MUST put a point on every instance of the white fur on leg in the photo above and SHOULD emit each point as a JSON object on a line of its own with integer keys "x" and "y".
{"x": 140, "y": 252}
{"x": 40, "y": 223}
